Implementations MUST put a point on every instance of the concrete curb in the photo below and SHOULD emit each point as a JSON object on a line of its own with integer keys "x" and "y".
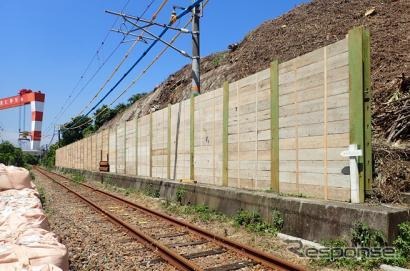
{"x": 386, "y": 267}
{"x": 304, "y": 242}
{"x": 307, "y": 243}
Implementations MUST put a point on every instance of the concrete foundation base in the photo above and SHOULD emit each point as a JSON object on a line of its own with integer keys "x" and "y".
{"x": 310, "y": 219}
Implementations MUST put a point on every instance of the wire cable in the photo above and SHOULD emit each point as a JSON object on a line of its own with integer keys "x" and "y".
{"x": 154, "y": 16}
{"x": 58, "y": 115}
{"x": 137, "y": 79}
{"x": 132, "y": 83}
{"x": 183, "y": 13}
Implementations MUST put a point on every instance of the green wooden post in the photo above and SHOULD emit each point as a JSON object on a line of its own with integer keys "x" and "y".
{"x": 150, "y": 144}
{"x": 368, "y": 168}
{"x": 169, "y": 143}
{"x": 192, "y": 138}
{"x": 274, "y": 114}
{"x": 136, "y": 145}
{"x": 116, "y": 149}
{"x": 225, "y": 134}
{"x": 125, "y": 147}
{"x": 357, "y": 52}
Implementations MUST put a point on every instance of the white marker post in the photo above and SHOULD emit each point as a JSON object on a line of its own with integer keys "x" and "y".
{"x": 353, "y": 153}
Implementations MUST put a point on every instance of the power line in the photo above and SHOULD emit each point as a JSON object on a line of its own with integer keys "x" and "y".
{"x": 183, "y": 13}
{"x": 122, "y": 60}
{"x": 86, "y": 70}
{"x": 143, "y": 72}
{"x": 132, "y": 83}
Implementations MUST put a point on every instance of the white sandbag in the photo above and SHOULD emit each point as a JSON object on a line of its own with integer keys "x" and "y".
{"x": 46, "y": 267}
{"x": 9, "y": 260}
{"x": 42, "y": 247}
{"x": 14, "y": 178}
{"x": 12, "y": 258}
{"x": 23, "y": 219}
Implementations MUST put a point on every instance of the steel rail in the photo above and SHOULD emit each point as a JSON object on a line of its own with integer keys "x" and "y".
{"x": 258, "y": 256}
{"x": 167, "y": 254}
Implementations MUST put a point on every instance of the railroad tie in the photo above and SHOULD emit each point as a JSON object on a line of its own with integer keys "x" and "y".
{"x": 232, "y": 266}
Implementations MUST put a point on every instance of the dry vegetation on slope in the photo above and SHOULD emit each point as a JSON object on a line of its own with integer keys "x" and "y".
{"x": 308, "y": 27}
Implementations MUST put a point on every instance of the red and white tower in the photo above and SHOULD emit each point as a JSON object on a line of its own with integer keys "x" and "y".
{"x": 36, "y": 100}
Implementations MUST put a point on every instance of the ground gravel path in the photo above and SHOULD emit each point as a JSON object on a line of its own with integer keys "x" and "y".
{"x": 93, "y": 242}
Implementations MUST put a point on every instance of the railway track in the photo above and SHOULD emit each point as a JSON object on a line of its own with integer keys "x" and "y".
{"x": 183, "y": 245}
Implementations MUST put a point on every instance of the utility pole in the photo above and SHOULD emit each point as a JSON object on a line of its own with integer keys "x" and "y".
{"x": 196, "y": 57}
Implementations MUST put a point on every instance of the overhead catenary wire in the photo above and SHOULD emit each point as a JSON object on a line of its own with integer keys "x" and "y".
{"x": 134, "y": 81}
{"x": 64, "y": 107}
{"x": 127, "y": 54}
{"x": 156, "y": 58}
{"x": 183, "y": 13}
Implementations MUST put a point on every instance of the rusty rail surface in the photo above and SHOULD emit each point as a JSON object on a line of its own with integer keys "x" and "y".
{"x": 260, "y": 257}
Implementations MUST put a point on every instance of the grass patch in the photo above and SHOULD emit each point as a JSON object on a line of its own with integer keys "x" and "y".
{"x": 151, "y": 191}
{"x": 180, "y": 194}
{"x": 32, "y": 176}
{"x": 78, "y": 178}
{"x": 198, "y": 212}
{"x": 42, "y": 195}
{"x": 362, "y": 236}
{"x": 253, "y": 222}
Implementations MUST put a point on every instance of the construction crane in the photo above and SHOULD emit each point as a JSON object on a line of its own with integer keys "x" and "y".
{"x": 36, "y": 100}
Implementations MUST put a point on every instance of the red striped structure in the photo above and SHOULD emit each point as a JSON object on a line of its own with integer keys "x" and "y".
{"x": 36, "y": 100}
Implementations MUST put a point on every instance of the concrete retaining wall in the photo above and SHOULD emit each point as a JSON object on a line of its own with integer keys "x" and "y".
{"x": 282, "y": 128}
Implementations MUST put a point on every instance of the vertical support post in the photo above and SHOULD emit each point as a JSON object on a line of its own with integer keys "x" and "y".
{"x": 274, "y": 111}
{"x": 136, "y": 145}
{"x": 368, "y": 162}
{"x": 196, "y": 58}
{"x": 125, "y": 147}
{"x": 192, "y": 137}
{"x": 356, "y": 99}
{"x": 116, "y": 149}
{"x": 150, "y": 144}
{"x": 169, "y": 143}
{"x": 225, "y": 119}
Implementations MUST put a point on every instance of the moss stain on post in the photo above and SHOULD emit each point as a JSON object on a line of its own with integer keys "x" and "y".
{"x": 192, "y": 138}
{"x": 169, "y": 143}
{"x": 356, "y": 90}
{"x": 274, "y": 88}
{"x": 225, "y": 134}
{"x": 150, "y": 144}
{"x": 368, "y": 171}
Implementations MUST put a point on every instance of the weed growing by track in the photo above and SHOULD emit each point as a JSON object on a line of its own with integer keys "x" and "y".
{"x": 362, "y": 236}
{"x": 180, "y": 194}
{"x": 197, "y": 212}
{"x": 42, "y": 195}
{"x": 151, "y": 191}
{"x": 253, "y": 222}
{"x": 78, "y": 178}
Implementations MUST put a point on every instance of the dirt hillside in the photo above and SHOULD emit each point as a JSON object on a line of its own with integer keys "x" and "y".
{"x": 304, "y": 29}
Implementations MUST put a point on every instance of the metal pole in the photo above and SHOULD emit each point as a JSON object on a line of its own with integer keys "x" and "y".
{"x": 196, "y": 69}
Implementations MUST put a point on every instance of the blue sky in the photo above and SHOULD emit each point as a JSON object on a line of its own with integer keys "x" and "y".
{"x": 47, "y": 44}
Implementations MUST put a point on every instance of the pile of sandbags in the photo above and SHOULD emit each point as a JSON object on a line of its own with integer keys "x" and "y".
{"x": 25, "y": 240}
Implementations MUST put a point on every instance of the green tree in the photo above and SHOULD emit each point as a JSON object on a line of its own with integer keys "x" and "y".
{"x": 30, "y": 159}
{"x": 135, "y": 98}
{"x": 119, "y": 108}
{"x": 102, "y": 115}
{"x": 74, "y": 129}
{"x": 49, "y": 158}
{"x": 10, "y": 155}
